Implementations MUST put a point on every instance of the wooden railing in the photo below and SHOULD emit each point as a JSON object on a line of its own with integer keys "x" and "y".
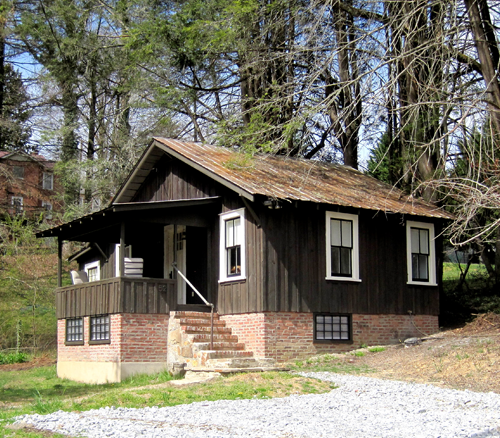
{"x": 117, "y": 295}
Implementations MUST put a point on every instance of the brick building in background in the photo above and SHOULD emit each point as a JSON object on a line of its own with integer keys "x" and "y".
{"x": 28, "y": 185}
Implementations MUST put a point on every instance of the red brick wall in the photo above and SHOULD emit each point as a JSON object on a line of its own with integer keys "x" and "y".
{"x": 285, "y": 336}
{"x": 134, "y": 338}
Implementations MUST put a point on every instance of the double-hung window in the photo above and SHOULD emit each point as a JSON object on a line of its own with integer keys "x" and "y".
{"x": 342, "y": 253}
{"x": 99, "y": 329}
{"x": 48, "y": 181}
{"x": 421, "y": 258}
{"x": 232, "y": 245}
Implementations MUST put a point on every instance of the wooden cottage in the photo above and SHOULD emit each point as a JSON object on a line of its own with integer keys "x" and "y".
{"x": 294, "y": 257}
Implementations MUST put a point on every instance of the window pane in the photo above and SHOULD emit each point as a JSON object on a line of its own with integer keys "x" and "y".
{"x": 335, "y": 260}
{"x": 424, "y": 241}
{"x": 335, "y": 235}
{"x": 347, "y": 233}
{"x": 423, "y": 273}
{"x": 345, "y": 261}
{"x": 415, "y": 247}
{"x": 229, "y": 233}
{"x": 237, "y": 232}
{"x": 234, "y": 260}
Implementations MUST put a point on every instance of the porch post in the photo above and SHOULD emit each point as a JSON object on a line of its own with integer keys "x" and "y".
{"x": 59, "y": 261}
{"x": 175, "y": 250}
{"x": 122, "y": 250}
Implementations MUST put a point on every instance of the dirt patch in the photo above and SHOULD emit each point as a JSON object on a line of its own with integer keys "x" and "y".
{"x": 42, "y": 361}
{"x": 464, "y": 358}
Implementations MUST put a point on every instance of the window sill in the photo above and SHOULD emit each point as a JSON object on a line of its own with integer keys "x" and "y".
{"x": 332, "y": 341}
{"x": 233, "y": 280}
{"x": 355, "y": 280}
{"x": 421, "y": 283}
{"x": 71, "y": 343}
{"x": 105, "y": 341}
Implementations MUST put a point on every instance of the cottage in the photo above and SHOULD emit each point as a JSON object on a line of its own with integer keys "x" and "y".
{"x": 213, "y": 259}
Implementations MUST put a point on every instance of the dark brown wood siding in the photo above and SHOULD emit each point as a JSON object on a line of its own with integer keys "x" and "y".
{"x": 171, "y": 179}
{"x": 116, "y": 295}
{"x": 290, "y": 276}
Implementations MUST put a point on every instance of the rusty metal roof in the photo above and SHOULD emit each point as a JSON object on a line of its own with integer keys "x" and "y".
{"x": 282, "y": 178}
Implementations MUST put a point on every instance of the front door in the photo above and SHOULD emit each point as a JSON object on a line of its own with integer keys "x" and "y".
{"x": 180, "y": 258}
{"x": 191, "y": 258}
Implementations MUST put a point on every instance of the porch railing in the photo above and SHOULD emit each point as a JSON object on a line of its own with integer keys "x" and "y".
{"x": 117, "y": 295}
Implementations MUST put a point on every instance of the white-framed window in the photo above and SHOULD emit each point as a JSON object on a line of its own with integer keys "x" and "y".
{"x": 47, "y": 207}
{"x": 17, "y": 202}
{"x": 421, "y": 253}
{"x": 232, "y": 246}
{"x": 342, "y": 246}
{"x": 48, "y": 181}
{"x": 93, "y": 271}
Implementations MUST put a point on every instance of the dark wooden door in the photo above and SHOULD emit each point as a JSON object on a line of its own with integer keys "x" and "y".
{"x": 196, "y": 263}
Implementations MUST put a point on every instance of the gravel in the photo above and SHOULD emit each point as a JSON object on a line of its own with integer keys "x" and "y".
{"x": 359, "y": 407}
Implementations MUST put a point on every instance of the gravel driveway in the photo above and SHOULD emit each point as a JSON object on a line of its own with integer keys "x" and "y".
{"x": 360, "y": 407}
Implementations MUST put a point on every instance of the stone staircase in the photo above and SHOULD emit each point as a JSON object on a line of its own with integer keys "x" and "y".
{"x": 189, "y": 343}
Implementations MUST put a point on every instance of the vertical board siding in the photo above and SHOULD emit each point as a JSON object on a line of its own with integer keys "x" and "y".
{"x": 117, "y": 295}
{"x": 288, "y": 274}
{"x": 171, "y": 179}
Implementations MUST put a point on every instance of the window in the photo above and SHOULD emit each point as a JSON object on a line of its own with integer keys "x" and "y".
{"x": 342, "y": 255}
{"x": 93, "y": 271}
{"x": 74, "y": 331}
{"x": 232, "y": 246}
{"x": 99, "y": 329}
{"x": 17, "y": 203}
{"x": 47, "y": 207}
{"x": 332, "y": 328}
{"x": 18, "y": 172}
{"x": 421, "y": 256}
{"x": 48, "y": 181}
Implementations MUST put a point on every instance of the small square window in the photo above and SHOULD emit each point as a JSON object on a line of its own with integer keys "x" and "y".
{"x": 74, "y": 331}
{"x": 18, "y": 172}
{"x": 17, "y": 204}
{"x": 99, "y": 329}
{"x": 332, "y": 328}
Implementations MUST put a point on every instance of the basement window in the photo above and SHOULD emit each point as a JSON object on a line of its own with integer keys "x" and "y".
{"x": 99, "y": 329}
{"x": 74, "y": 331}
{"x": 332, "y": 328}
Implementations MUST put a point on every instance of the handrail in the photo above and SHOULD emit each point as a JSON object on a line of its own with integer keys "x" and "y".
{"x": 174, "y": 265}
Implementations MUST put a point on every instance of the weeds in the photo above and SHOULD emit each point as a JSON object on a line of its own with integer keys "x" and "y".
{"x": 376, "y": 349}
{"x": 9, "y": 358}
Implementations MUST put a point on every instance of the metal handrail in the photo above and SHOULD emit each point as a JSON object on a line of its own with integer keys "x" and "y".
{"x": 174, "y": 265}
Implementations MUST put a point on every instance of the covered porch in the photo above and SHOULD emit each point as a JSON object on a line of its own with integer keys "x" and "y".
{"x": 166, "y": 235}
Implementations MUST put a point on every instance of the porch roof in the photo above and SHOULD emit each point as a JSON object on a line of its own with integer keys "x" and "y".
{"x": 280, "y": 178}
{"x": 104, "y": 225}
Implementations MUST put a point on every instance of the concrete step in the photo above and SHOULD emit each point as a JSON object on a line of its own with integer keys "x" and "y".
{"x": 232, "y": 362}
{"x": 201, "y": 322}
{"x": 225, "y": 354}
{"x": 196, "y": 315}
{"x": 217, "y": 338}
{"x": 200, "y": 329}
{"x": 233, "y": 346}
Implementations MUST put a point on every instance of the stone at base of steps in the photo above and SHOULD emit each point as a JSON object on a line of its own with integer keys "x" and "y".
{"x": 191, "y": 378}
{"x": 220, "y": 371}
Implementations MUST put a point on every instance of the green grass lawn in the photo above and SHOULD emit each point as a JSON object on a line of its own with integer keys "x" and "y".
{"x": 40, "y": 391}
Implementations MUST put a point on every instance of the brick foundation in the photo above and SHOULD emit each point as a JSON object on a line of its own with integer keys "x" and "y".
{"x": 285, "y": 336}
{"x": 138, "y": 343}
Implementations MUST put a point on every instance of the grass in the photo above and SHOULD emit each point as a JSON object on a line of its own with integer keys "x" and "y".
{"x": 331, "y": 362}
{"x": 40, "y": 391}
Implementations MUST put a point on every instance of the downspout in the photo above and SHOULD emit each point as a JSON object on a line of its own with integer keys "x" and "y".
{"x": 59, "y": 261}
